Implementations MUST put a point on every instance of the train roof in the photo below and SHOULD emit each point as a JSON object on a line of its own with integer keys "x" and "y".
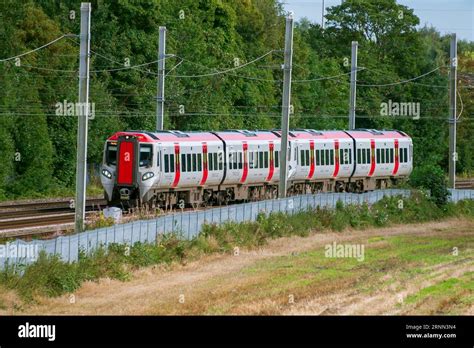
{"x": 316, "y": 134}
{"x": 246, "y": 135}
{"x": 168, "y": 135}
{"x": 360, "y": 133}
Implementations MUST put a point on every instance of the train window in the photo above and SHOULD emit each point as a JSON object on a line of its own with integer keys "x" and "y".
{"x": 210, "y": 162}
{"x": 317, "y": 158}
{"x": 215, "y": 160}
{"x": 405, "y": 155}
{"x": 220, "y": 161}
{"x": 378, "y": 155}
{"x": 265, "y": 155}
{"x": 361, "y": 159}
{"x": 194, "y": 162}
{"x": 145, "y": 155}
{"x": 341, "y": 156}
{"x": 327, "y": 157}
{"x": 183, "y": 162}
{"x": 167, "y": 164}
{"x": 188, "y": 162}
{"x": 323, "y": 158}
{"x": 158, "y": 159}
{"x": 199, "y": 159}
{"x": 401, "y": 155}
{"x": 301, "y": 159}
{"x": 369, "y": 158}
{"x": 277, "y": 159}
{"x": 111, "y": 154}
{"x": 359, "y": 156}
{"x": 250, "y": 160}
{"x": 331, "y": 157}
{"x": 349, "y": 160}
{"x": 383, "y": 151}
{"x": 240, "y": 160}
{"x": 391, "y": 155}
{"x": 260, "y": 159}
{"x": 236, "y": 160}
{"x": 171, "y": 163}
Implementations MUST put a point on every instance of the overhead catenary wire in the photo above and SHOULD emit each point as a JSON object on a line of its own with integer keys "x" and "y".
{"x": 226, "y": 70}
{"x": 38, "y": 48}
{"x": 327, "y": 77}
{"x": 400, "y": 82}
{"x": 229, "y": 73}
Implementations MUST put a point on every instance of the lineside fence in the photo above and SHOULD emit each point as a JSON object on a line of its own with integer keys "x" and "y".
{"x": 186, "y": 224}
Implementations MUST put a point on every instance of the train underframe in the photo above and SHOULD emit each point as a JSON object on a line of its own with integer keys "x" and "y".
{"x": 227, "y": 194}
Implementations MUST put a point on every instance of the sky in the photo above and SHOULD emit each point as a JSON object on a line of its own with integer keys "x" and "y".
{"x": 447, "y": 16}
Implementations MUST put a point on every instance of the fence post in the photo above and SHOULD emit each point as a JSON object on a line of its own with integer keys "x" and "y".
{"x": 97, "y": 239}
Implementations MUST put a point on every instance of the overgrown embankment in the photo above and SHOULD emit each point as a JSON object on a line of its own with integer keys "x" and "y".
{"x": 49, "y": 276}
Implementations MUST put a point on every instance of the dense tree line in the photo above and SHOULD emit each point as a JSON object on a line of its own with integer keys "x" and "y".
{"x": 38, "y": 147}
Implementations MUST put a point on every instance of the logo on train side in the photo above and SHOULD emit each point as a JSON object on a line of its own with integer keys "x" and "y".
{"x": 126, "y": 156}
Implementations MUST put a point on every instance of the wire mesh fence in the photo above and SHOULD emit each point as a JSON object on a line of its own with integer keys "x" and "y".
{"x": 186, "y": 224}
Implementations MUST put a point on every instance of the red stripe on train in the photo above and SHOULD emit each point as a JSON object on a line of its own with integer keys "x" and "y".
{"x": 125, "y": 167}
{"x": 271, "y": 170}
{"x": 372, "y": 157}
{"x": 336, "y": 151}
{"x": 177, "y": 173}
{"x": 397, "y": 161}
{"x": 246, "y": 165}
{"x": 311, "y": 156}
{"x": 205, "y": 169}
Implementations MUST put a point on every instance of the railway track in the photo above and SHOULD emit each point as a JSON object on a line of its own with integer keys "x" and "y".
{"x": 465, "y": 183}
{"x": 40, "y": 217}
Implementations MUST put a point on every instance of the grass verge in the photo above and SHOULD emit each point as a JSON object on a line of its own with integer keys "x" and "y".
{"x": 52, "y": 277}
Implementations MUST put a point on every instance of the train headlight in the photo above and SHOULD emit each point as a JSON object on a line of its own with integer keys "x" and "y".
{"x": 147, "y": 176}
{"x": 106, "y": 173}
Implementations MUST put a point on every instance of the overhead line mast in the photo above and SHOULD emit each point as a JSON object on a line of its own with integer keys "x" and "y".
{"x": 285, "y": 110}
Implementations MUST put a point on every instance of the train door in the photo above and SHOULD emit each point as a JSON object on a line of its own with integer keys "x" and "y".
{"x": 292, "y": 158}
{"x": 127, "y": 161}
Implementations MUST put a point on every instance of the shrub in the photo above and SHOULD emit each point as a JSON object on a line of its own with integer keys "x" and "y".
{"x": 431, "y": 177}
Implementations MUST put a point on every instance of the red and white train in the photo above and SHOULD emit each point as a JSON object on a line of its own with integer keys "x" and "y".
{"x": 170, "y": 167}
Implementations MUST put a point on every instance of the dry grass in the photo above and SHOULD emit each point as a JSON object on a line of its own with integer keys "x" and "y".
{"x": 266, "y": 280}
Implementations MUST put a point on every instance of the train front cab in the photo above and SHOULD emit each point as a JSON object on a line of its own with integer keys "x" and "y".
{"x": 128, "y": 169}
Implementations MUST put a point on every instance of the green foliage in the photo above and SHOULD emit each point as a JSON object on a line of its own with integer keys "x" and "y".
{"x": 210, "y": 35}
{"x": 431, "y": 177}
